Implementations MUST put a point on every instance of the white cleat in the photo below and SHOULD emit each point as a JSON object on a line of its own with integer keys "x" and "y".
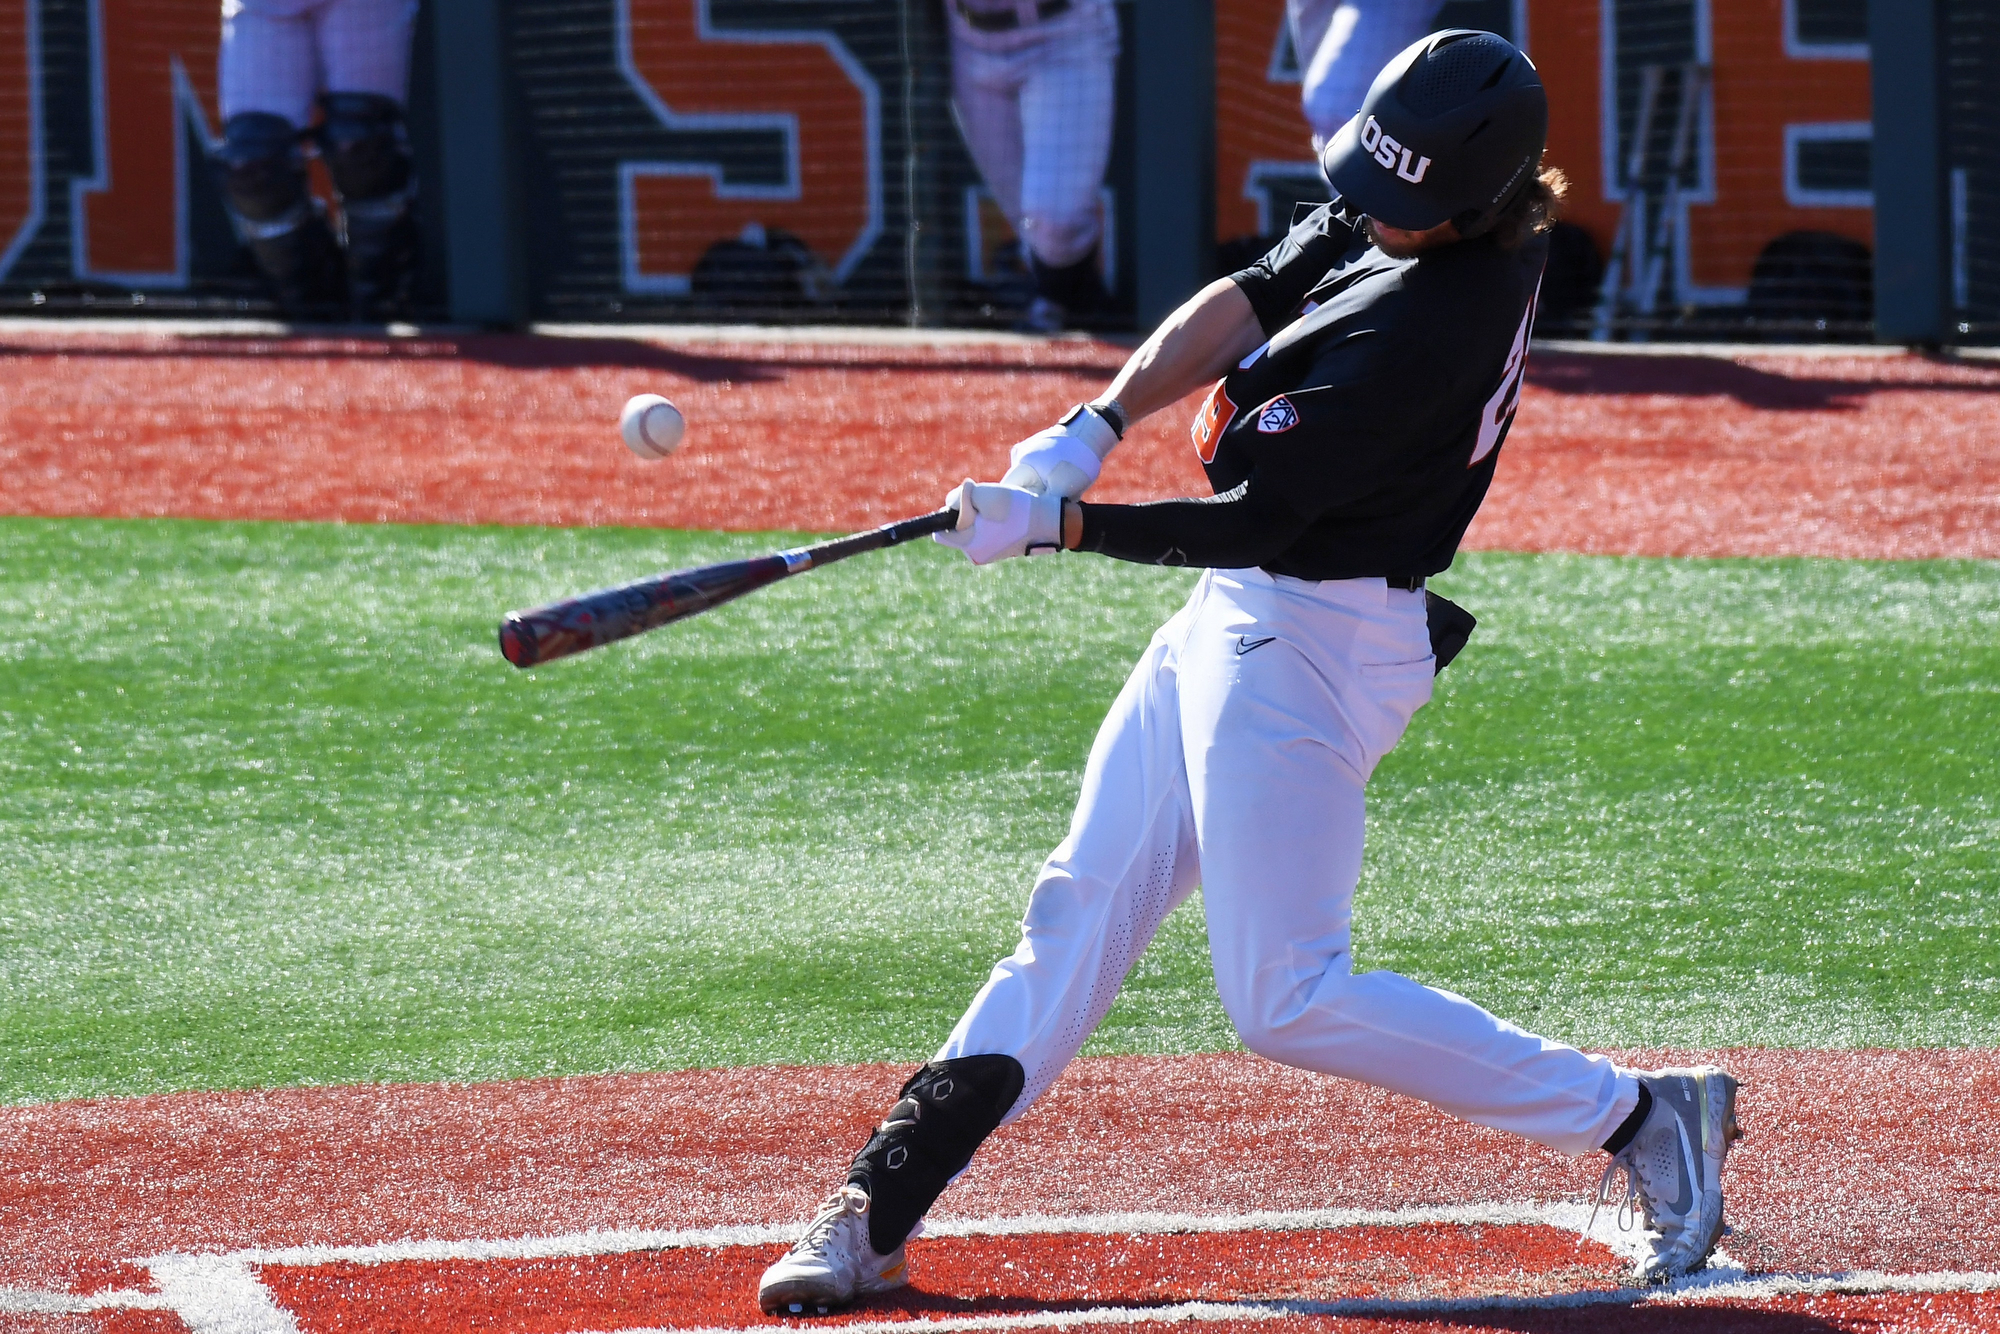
{"x": 1673, "y": 1169}
{"x": 832, "y": 1263}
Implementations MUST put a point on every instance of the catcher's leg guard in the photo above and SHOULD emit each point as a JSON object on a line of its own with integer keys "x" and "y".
{"x": 264, "y": 178}
{"x": 366, "y": 148}
{"x": 945, "y": 1111}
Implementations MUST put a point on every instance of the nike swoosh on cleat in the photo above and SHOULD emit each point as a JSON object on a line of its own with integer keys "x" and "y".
{"x": 1244, "y": 646}
{"x": 1690, "y": 1173}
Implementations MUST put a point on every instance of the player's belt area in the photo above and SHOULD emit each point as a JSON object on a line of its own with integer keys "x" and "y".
{"x": 1409, "y": 583}
{"x": 1006, "y": 20}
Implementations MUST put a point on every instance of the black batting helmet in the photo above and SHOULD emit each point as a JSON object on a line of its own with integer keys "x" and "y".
{"x": 1452, "y": 129}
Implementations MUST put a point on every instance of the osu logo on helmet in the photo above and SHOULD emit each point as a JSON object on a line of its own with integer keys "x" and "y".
{"x": 1383, "y": 146}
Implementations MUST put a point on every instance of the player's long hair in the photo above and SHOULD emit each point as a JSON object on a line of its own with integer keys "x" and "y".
{"x": 1534, "y": 210}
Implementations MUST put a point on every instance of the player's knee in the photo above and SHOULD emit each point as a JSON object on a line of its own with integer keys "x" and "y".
{"x": 263, "y": 171}
{"x": 1285, "y": 1021}
{"x": 365, "y": 145}
{"x": 1061, "y": 239}
{"x": 1262, "y": 1031}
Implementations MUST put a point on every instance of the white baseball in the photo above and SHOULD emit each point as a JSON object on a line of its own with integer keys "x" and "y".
{"x": 652, "y": 427}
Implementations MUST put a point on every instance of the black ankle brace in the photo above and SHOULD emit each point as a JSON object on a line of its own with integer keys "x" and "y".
{"x": 946, "y": 1109}
{"x": 1630, "y": 1125}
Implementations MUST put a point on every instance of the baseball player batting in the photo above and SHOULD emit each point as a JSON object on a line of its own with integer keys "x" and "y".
{"x": 1369, "y": 369}
{"x": 355, "y": 55}
{"x": 1032, "y": 83}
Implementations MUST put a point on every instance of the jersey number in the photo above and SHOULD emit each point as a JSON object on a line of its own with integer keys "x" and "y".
{"x": 1213, "y": 419}
{"x": 1498, "y": 414}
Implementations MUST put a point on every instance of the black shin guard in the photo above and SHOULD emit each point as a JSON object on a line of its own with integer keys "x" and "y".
{"x": 366, "y": 148}
{"x": 263, "y": 175}
{"x": 945, "y": 1111}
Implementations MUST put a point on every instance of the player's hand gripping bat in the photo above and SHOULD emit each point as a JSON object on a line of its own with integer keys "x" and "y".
{"x": 575, "y": 624}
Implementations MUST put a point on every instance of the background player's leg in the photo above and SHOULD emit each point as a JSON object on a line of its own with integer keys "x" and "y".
{"x": 267, "y": 71}
{"x": 267, "y": 61}
{"x": 1308, "y": 20}
{"x": 1067, "y": 104}
{"x": 364, "y": 46}
{"x": 1359, "y": 38}
{"x": 365, "y": 51}
{"x": 986, "y": 99}
{"x": 1280, "y": 741}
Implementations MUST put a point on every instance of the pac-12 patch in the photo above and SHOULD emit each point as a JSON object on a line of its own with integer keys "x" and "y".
{"x": 1277, "y": 415}
{"x": 1211, "y": 422}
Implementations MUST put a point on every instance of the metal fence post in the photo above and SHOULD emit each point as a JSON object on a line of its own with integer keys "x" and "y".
{"x": 1174, "y": 43}
{"x": 1912, "y": 200}
{"x": 484, "y": 258}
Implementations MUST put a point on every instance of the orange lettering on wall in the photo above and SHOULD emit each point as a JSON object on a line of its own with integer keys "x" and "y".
{"x": 132, "y": 225}
{"x": 1257, "y": 119}
{"x": 18, "y": 150}
{"x": 1759, "y": 90}
{"x": 1564, "y": 41}
{"x": 679, "y": 209}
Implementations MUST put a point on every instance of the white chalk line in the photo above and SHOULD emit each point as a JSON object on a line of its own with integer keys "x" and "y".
{"x": 29, "y": 1301}
{"x": 222, "y": 1293}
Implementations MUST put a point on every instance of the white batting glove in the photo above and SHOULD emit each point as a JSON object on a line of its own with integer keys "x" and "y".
{"x": 996, "y": 521}
{"x": 1066, "y": 458}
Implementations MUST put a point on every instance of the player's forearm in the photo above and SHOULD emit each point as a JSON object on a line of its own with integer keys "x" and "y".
{"x": 1239, "y": 528}
{"x": 1193, "y": 347}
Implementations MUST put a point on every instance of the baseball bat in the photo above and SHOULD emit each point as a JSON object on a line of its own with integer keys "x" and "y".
{"x": 591, "y": 620}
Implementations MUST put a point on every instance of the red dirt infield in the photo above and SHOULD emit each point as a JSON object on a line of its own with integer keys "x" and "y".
{"x": 956, "y": 1277}
{"x": 1754, "y": 453}
{"x": 1854, "y": 1161}
{"x": 114, "y": 1213}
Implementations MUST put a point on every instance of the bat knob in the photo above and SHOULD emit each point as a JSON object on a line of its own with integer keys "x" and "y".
{"x": 517, "y": 642}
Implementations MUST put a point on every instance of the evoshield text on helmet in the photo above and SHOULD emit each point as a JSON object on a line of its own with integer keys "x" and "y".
{"x": 1452, "y": 129}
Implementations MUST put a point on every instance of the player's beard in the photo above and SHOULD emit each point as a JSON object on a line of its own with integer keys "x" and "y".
{"x": 1398, "y": 243}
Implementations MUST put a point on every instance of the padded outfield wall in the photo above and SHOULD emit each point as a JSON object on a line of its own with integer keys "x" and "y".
{"x": 639, "y": 134}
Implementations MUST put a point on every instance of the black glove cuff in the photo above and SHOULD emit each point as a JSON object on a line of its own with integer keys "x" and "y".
{"x": 1109, "y": 409}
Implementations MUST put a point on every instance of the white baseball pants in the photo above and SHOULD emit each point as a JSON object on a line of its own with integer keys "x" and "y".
{"x": 1235, "y": 757}
{"x": 277, "y": 55}
{"x": 1035, "y": 105}
{"x": 1342, "y": 45}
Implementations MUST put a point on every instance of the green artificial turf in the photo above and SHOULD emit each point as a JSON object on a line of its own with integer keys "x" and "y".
{"x": 273, "y": 810}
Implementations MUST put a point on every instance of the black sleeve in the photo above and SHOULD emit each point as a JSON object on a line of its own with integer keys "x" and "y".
{"x": 1278, "y": 283}
{"x": 1242, "y": 527}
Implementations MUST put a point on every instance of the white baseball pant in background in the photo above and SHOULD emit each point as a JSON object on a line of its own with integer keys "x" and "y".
{"x": 1342, "y": 45}
{"x": 1235, "y": 757}
{"x": 277, "y": 55}
{"x": 1034, "y": 104}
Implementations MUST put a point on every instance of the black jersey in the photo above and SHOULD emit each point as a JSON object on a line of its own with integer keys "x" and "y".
{"x": 1361, "y": 439}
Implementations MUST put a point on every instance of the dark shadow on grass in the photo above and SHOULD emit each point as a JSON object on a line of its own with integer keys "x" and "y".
{"x": 1582, "y": 373}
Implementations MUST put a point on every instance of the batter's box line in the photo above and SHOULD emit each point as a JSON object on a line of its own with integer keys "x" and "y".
{"x": 222, "y": 1293}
